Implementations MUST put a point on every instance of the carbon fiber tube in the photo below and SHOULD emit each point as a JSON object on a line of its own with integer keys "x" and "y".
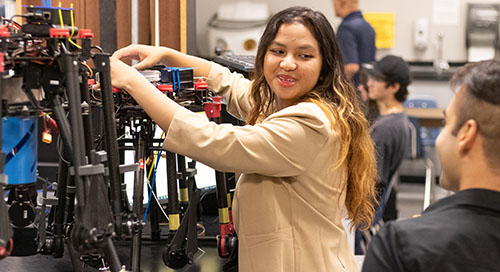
{"x": 112, "y": 257}
{"x": 63, "y": 125}
{"x": 173, "y": 196}
{"x": 137, "y": 205}
{"x": 221, "y": 189}
{"x": 102, "y": 64}
{"x": 220, "y": 180}
{"x": 183, "y": 186}
{"x": 87, "y": 116}
{"x": 62, "y": 183}
{"x": 69, "y": 65}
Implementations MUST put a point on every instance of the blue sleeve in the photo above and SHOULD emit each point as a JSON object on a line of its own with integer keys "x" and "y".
{"x": 348, "y": 45}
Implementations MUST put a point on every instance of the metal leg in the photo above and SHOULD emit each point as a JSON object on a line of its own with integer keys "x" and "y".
{"x": 137, "y": 206}
{"x": 103, "y": 67}
{"x": 173, "y": 197}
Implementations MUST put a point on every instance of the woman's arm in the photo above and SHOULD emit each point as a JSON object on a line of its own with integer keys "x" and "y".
{"x": 156, "y": 104}
{"x": 150, "y": 56}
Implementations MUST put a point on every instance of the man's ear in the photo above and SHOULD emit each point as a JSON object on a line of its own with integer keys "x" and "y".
{"x": 467, "y": 136}
{"x": 395, "y": 87}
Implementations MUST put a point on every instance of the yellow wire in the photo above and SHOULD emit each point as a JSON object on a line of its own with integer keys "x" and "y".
{"x": 60, "y": 15}
{"x": 90, "y": 69}
{"x": 73, "y": 29}
{"x": 154, "y": 159}
{"x": 151, "y": 169}
{"x": 72, "y": 24}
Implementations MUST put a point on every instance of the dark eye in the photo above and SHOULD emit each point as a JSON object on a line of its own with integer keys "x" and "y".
{"x": 306, "y": 56}
{"x": 277, "y": 51}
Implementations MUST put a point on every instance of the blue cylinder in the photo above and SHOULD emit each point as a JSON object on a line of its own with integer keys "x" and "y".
{"x": 20, "y": 143}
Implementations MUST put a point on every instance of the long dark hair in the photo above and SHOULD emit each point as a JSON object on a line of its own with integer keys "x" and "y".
{"x": 336, "y": 95}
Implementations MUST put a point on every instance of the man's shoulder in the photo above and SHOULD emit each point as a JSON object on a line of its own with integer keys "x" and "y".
{"x": 447, "y": 218}
{"x": 462, "y": 223}
{"x": 424, "y": 242}
{"x": 391, "y": 122}
{"x": 356, "y": 23}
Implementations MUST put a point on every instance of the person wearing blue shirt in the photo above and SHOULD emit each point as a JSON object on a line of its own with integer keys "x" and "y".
{"x": 355, "y": 36}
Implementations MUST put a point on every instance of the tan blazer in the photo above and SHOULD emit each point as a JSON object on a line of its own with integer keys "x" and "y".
{"x": 289, "y": 201}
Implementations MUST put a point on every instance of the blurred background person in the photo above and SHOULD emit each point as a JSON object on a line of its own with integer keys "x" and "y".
{"x": 355, "y": 36}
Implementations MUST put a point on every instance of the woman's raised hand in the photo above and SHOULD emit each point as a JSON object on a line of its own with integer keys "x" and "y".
{"x": 122, "y": 75}
{"x": 148, "y": 56}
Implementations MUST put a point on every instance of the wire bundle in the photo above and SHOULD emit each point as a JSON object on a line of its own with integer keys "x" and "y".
{"x": 47, "y": 3}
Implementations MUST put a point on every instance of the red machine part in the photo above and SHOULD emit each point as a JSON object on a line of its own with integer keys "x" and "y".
{"x": 165, "y": 88}
{"x": 5, "y": 251}
{"x": 59, "y": 33}
{"x": 226, "y": 231}
{"x": 4, "y": 32}
{"x": 2, "y": 63}
{"x": 85, "y": 34}
{"x": 212, "y": 109}
{"x": 200, "y": 85}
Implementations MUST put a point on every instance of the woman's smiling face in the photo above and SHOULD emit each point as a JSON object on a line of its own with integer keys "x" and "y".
{"x": 292, "y": 63}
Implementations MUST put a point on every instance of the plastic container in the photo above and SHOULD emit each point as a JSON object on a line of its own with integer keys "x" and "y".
{"x": 20, "y": 143}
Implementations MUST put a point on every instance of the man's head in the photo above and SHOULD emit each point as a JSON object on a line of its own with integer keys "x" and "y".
{"x": 389, "y": 78}
{"x": 344, "y": 7}
{"x": 471, "y": 135}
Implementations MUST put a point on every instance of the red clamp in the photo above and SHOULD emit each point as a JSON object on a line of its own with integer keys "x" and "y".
{"x": 91, "y": 82}
{"x": 85, "y": 34}
{"x": 4, "y": 32}
{"x": 226, "y": 233}
{"x": 165, "y": 88}
{"x": 212, "y": 109}
{"x": 2, "y": 62}
{"x": 116, "y": 90}
{"x": 59, "y": 33}
{"x": 200, "y": 85}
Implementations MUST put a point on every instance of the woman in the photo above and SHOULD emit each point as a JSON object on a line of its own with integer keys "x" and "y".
{"x": 304, "y": 153}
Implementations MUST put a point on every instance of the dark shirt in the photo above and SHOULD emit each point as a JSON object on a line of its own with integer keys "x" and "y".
{"x": 457, "y": 233}
{"x": 391, "y": 136}
{"x": 356, "y": 39}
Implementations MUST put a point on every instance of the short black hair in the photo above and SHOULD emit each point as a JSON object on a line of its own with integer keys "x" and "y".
{"x": 480, "y": 101}
{"x": 393, "y": 69}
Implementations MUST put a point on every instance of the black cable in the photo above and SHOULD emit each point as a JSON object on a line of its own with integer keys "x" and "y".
{"x": 98, "y": 48}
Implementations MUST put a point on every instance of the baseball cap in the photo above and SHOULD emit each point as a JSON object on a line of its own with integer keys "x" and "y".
{"x": 393, "y": 69}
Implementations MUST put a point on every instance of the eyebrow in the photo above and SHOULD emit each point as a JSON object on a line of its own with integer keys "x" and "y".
{"x": 302, "y": 47}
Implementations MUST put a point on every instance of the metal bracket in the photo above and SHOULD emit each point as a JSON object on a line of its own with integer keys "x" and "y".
{"x": 4, "y": 179}
{"x": 88, "y": 170}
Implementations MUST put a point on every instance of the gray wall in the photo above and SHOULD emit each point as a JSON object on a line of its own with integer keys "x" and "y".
{"x": 207, "y": 8}
{"x": 406, "y": 13}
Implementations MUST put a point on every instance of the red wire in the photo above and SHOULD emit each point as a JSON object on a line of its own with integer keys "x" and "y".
{"x": 45, "y": 121}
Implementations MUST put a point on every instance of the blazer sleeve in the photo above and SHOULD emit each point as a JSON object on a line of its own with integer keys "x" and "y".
{"x": 233, "y": 87}
{"x": 285, "y": 144}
